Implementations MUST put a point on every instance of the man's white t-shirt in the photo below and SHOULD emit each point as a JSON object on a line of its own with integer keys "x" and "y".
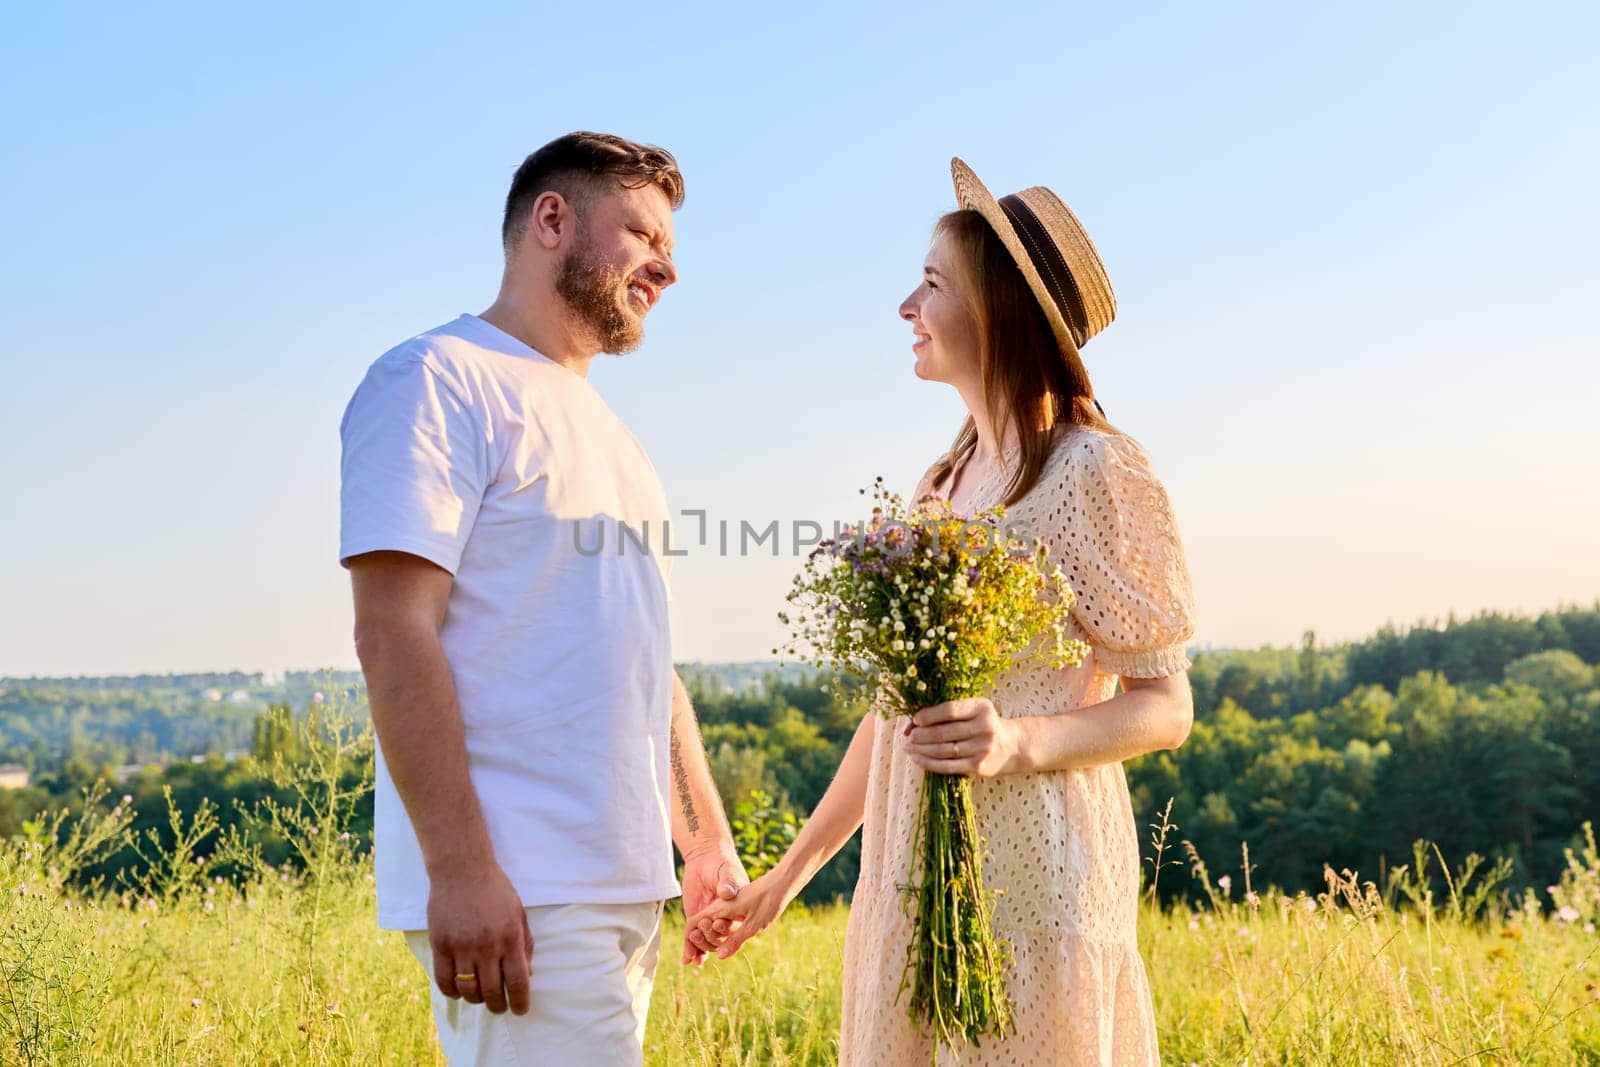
{"x": 466, "y": 447}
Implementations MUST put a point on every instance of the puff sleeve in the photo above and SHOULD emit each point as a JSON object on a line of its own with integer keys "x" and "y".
{"x": 1113, "y": 532}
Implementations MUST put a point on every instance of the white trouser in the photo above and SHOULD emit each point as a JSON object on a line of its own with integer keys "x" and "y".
{"x": 592, "y": 969}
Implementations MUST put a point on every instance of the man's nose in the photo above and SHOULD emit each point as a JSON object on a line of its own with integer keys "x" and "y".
{"x": 663, "y": 273}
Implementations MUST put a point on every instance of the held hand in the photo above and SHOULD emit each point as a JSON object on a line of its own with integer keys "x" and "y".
{"x": 965, "y": 737}
{"x": 758, "y": 906}
{"x": 482, "y": 947}
{"x": 709, "y": 875}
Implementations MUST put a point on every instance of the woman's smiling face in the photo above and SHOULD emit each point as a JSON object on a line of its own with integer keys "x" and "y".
{"x": 940, "y": 313}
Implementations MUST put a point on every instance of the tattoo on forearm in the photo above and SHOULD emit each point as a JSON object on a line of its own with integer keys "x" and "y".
{"x": 680, "y": 778}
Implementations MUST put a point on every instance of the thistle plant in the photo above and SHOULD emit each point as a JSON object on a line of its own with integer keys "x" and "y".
{"x": 926, "y": 606}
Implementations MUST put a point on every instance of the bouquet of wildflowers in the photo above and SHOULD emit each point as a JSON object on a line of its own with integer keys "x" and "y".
{"x": 927, "y": 606}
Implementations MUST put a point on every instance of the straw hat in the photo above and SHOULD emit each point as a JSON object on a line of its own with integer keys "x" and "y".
{"x": 1054, "y": 254}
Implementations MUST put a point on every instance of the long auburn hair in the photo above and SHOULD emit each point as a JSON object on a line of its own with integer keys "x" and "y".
{"x": 1027, "y": 383}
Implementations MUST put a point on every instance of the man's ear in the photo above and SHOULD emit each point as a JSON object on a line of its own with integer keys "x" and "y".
{"x": 551, "y": 220}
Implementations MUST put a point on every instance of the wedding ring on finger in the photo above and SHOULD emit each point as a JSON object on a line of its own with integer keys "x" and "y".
{"x": 955, "y": 750}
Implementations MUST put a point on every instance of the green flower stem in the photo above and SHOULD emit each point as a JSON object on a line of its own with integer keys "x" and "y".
{"x": 955, "y": 966}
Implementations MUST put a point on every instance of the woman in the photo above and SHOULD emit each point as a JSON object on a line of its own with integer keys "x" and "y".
{"x": 1012, "y": 289}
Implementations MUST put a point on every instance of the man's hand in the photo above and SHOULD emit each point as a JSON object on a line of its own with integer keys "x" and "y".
{"x": 709, "y": 874}
{"x": 482, "y": 948}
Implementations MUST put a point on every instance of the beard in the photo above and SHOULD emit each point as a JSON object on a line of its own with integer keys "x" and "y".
{"x": 597, "y": 293}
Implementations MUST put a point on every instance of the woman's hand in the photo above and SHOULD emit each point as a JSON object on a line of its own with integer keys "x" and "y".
{"x": 757, "y": 907}
{"x": 966, "y": 737}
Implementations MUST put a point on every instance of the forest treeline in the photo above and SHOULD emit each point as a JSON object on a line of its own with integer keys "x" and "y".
{"x": 1481, "y": 735}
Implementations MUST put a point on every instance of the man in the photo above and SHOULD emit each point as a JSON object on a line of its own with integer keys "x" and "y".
{"x": 536, "y": 749}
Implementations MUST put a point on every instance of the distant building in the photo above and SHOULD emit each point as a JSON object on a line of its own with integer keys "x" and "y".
{"x": 13, "y": 776}
{"x": 129, "y": 770}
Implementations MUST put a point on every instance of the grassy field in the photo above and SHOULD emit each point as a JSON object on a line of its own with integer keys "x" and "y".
{"x": 295, "y": 973}
{"x": 213, "y": 956}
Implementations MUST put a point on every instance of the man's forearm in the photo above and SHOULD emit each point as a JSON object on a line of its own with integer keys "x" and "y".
{"x": 418, "y": 721}
{"x": 697, "y": 816}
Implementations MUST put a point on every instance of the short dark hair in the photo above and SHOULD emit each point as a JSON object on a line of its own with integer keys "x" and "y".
{"x": 573, "y": 164}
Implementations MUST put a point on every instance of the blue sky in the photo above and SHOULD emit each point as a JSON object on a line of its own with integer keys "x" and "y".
{"x": 1354, "y": 251}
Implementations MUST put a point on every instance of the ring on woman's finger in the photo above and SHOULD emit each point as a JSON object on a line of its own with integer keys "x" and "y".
{"x": 955, "y": 750}
{"x": 466, "y": 978}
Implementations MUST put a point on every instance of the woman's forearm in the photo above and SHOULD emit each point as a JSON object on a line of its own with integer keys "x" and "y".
{"x": 1152, "y": 714}
{"x": 838, "y": 813}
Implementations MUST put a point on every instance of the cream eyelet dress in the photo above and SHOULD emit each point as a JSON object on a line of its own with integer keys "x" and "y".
{"x": 1062, "y": 849}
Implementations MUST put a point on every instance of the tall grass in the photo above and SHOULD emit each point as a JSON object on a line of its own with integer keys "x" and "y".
{"x": 1347, "y": 976}
{"x": 214, "y": 957}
